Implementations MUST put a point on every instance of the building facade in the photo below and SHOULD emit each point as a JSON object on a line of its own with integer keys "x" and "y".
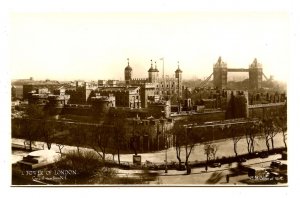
{"x": 165, "y": 86}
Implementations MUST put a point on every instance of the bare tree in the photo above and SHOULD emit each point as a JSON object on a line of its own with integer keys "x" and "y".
{"x": 281, "y": 124}
{"x": 210, "y": 151}
{"x": 135, "y": 135}
{"x": 31, "y": 123}
{"x": 120, "y": 136}
{"x": 235, "y": 136}
{"x": 178, "y": 135}
{"x": 269, "y": 132}
{"x": 60, "y": 147}
{"x": 101, "y": 139}
{"x": 78, "y": 136}
{"x": 47, "y": 131}
{"x": 251, "y": 131}
{"x": 189, "y": 144}
{"x": 30, "y": 131}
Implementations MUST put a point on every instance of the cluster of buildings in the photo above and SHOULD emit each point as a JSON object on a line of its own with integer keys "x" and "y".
{"x": 151, "y": 93}
{"x": 153, "y": 104}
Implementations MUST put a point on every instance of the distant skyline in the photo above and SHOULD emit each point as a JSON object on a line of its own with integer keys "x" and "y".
{"x": 92, "y": 46}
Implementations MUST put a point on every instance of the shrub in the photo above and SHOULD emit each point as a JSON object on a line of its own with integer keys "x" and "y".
{"x": 84, "y": 163}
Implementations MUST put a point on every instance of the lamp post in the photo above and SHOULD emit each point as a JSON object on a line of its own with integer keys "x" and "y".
{"x": 166, "y": 147}
{"x": 165, "y": 137}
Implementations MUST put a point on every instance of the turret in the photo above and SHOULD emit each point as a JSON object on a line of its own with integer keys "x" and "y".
{"x": 178, "y": 76}
{"x": 128, "y": 73}
{"x": 152, "y": 74}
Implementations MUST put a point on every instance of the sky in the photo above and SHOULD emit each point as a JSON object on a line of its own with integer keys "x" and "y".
{"x": 95, "y": 45}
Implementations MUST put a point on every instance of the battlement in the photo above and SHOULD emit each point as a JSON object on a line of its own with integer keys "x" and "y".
{"x": 58, "y": 97}
{"x": 139, "y": 80}
{"x": 79, "y": 106}
{"x": 99, "y": 98}
{"x": 160, "y": 102}
{"x": 38, "y": 96}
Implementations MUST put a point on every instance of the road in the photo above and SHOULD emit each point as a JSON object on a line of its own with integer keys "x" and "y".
{"x": 225, "y": 148}
{"x": 198, "y": 176}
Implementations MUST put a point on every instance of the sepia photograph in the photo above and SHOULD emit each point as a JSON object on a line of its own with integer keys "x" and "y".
{"x": 159, "y": 96}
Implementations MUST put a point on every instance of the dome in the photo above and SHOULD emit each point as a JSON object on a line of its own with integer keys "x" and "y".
{"x": 151, "y": 68}
{"x": 178, "y": 70}
{"x": 128, "y": 68}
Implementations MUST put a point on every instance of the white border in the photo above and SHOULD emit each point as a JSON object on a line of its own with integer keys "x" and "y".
{"x": 8, "y": 7}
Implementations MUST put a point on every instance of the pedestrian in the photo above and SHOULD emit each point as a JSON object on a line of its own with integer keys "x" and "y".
{"x": 227, "y": 178}
{"x": 206, "y": 168}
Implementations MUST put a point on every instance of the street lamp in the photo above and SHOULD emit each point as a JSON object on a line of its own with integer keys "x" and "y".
{"x": 166, "y": 147}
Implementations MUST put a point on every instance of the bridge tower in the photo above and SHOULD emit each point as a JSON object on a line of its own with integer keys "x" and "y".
{"x": 220, "y": 74}
{"x": 255, "y": 75}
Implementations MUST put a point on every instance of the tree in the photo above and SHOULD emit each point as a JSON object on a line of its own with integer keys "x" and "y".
{"x": 189, "y": 144}
{"x": 281, "y": 124}
{"x": 101, "y": 139}
{"x": 30, "y": 131}
{"x": 78, "y": 136}
{"x": 179, "y": 136}
{"x": 60, "y": 147}
{"x": 251, "y": 130}
{"x": 210, "y": 151}
{"x": 135, "y": 135}
{"x": 31, "y": 124}
{"x": 120, "y": 136}
{"x": 269, "y": 132}
{"x": 47, "y": 132}
{"x": 233, "y": 133}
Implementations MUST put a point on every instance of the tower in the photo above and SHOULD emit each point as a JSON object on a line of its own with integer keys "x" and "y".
{"x": 152, "y": 74}
{"x": 255, "y": 75}
{"x": 220, "y": 74}
{"x": 128, "y": 73}
{"x": 178, "y": 76}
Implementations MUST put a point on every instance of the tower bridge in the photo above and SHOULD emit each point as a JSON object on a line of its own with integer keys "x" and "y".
{"x": 220, "y": 72}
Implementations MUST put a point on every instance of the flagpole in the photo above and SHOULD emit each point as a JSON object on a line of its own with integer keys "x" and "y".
{"x": 163, "y": 71}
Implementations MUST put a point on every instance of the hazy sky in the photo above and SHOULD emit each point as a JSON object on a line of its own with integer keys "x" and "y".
{"x": 91, "y": 46}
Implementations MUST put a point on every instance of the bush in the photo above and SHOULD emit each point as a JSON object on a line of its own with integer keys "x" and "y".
{"x": 84, "y": 163}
